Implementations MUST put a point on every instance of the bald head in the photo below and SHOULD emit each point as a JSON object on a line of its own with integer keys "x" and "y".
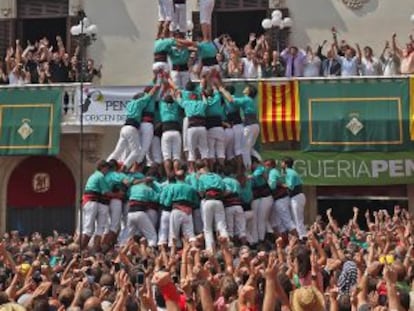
{"x": 92, "y": 304}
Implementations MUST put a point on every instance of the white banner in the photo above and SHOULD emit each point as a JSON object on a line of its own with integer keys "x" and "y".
{"x": 106, "y": 105}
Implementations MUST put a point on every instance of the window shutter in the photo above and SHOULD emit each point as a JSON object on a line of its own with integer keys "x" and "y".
{"x": 42, "y": 8}
{"x": 226, "y": 5}
{"x": 5, "y": 36}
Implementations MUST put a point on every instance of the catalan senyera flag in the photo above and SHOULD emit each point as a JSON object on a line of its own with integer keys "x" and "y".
{"x": 412, "y": 107}
{"x": 279, "y": 111}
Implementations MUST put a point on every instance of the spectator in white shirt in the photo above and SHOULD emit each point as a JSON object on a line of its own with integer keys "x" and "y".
{"x": 370, "y": 65}
{"x": 312, "y": 64}
{"x": 349, "y": 62}
{"x": 390, "y": 61}
{"x": 250, "y": 65}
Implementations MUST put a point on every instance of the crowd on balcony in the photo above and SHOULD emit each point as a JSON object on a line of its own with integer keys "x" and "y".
{"x": 337, "y": 268}
{"x": 257, "y": 60}
{"x": 43, "y": 63}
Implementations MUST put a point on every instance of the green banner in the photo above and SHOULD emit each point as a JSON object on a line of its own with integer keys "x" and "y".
{"x": 355, "y": 115}
{"x": 30, "y": 121}
{"x": 354, "y": 168}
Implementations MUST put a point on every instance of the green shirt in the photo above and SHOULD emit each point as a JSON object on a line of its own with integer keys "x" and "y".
{"x": 259, "y": 179}
{"x": 274, "y": 178}
{"x": 231, "y": 185}
{"x": 246, "y": 192}
{"x": 135, "y": 107}
{"x": 292, "y": 178}
{"x": 113, "y": 178}
{"x": 169, "y": 112}
{"x": 179, "y": 56}
{"x": 210, "y": 181}
{"x": 207, "y": 49}
{"x": 215, "y": 107}
{"x": 246, "y": 103}
{"x": 179, "y": 191}
{"x": 194, "y": 108}
{"x": 164, "y": 45}
{"x": 144, "y": 193}
{"x": 192, "y": 180}
{"x": 186, "y": 95}
{"x": 96, "y": 183}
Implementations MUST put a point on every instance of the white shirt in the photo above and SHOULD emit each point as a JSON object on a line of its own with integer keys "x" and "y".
{"x": 370, "y": 68}
{"x": 15, "y": 80}
{"x": 390, "y": 65}
{"x": 312, "y": 66}
{"x": 250, "y": 69}
{"x": 349, "y": 67}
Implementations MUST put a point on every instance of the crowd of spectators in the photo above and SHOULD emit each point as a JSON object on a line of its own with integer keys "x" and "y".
{"x": 337, "y": 268}
{"x": 43, "y": 63}
{"x": 257, "y": 60}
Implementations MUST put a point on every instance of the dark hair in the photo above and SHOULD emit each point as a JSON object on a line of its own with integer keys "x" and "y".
{"x": 208, "y": 92}
{"x": 190, "y": 86}
{"x": 40, "y": 304}
{"x": 102, "y": 164}
{"x": 302, "y": 255}
{"x": 199, "y": 165}
{"x": 272, "y": 162}
{"x": 231, "y": 89}
{"x": 288, "y": 161}
{"x": 252, "y": 91}
{"x": 169, "y": 99}
{"x": 344, "y": 303}
{"x": 228, "y": 170}
{"x": 138, "y": 95}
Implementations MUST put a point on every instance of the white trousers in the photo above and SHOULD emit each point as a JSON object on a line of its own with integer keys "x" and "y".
{"x": 238, "y": 131}
{"x": 165, "y": 10}
{"x": 153, "y": 216}
{"x": 140, "y": 224}
{"x": 262, "y": 209}
{"x": 147, "y": 133}
{"x": 281, "y": 216}
{"x": 115, "y": 215}
{"x": 198, "y": 221}
{"x": 215, "y": 140}
{"x": 180, "y": 78}
{"x": 197, "y": 139}
{"x": 129, "y": 140}
{"x": 95, "y": 218}
{"x": 171, "y": 145}
{"x": 164, "y": 230}
{"x": 297, "y": 204}
{"x": 160, "y": 66}
{"x": 154, "y": 155}
{"x": 180, "y": 17}
{"x": 206, "y": 10}
{"x": 180, "y": 222}
{"x": 250, "y": 134}
{"x": 213, "y": 217}
{"x": 250, "y": 226}
{"x": 185, "y": 134}
{"x": 229, "y": 143}
{"x": 235, "y": 220}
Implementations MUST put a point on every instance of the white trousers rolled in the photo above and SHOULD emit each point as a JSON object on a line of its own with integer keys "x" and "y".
{"x": 235, "y": 220}
{"x": 297, "y": 204}
{"x": 180, "y": 18}
{"x": 229, "y": 143}
{"x": 180, "y": 222}
{"x": 198, "y": 221}
{"x": 262, "y": 209}
{"x": 238, "y": 132}
{"x": 250, "y": 226}
{"x": 250, "y": 134}
{"x": 180, "y": 78}
{"x": 164, "y": 230}
{"x": 215, "y": 140}
{"x": 197, "y": 139}
{"x": 213, "y": 217}
{"x": 140, "y": 224}
{"x": 115, "y": 215}
{"x": 281, "y": 216}
{"x": 171, "y": 145}
{"x": 154, "y": 155}
{"x": 129, "y": 141}
{"x": 147, "y": 133}
{"x": 165, "y": 10}
{"x": 206, "y": 10}
{"x": 185, "y": 134}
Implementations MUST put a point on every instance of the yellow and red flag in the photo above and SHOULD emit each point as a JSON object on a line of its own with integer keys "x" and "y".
{"x": 279, "y": 111}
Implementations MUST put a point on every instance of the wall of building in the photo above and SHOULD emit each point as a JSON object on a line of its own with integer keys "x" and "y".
{"x": 126, "y": 35}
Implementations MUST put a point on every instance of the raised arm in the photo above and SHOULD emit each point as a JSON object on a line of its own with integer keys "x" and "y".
{"x": 395, "y": 47}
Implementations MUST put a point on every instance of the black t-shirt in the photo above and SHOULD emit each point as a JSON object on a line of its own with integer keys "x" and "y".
{"x": 59, "y": 72}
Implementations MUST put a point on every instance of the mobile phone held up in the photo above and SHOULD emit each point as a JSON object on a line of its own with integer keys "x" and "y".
{"x": 140, "y": 278}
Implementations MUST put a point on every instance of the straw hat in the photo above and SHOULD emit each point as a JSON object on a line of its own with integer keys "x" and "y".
{"x": 307, "y": 298}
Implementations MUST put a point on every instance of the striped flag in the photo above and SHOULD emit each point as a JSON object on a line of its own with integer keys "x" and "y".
{"x": 279, "y": 111}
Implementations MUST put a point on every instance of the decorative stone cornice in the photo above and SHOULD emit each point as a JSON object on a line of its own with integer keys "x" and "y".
{"x": 355, "y": 4}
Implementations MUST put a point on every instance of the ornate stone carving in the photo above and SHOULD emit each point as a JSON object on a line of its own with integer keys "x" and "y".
{"x": 355, "y": 4}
